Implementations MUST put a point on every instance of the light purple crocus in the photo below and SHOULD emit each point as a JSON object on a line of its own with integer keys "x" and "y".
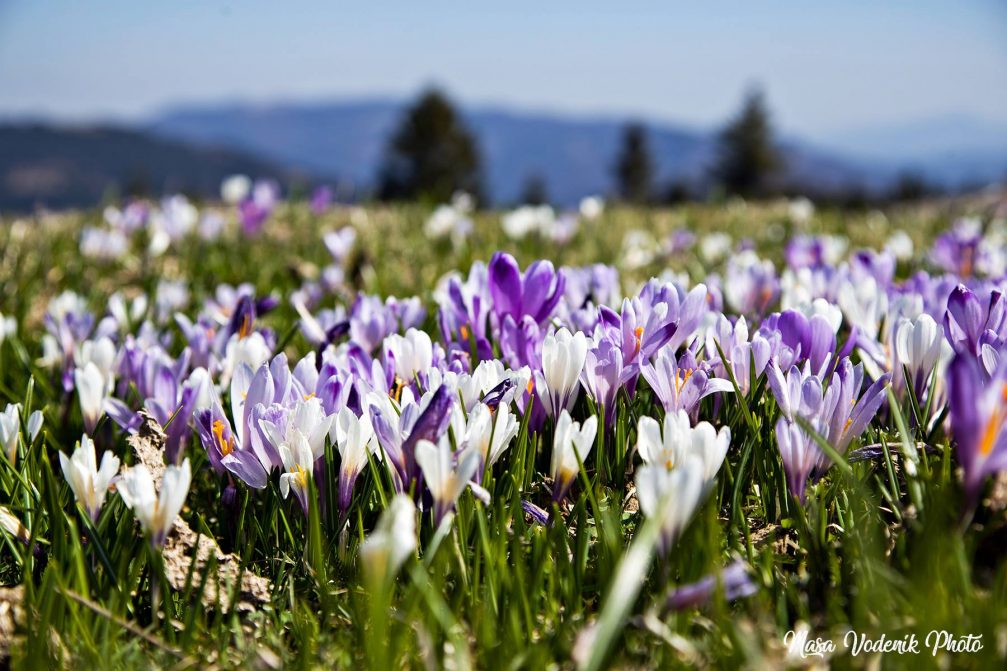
{"x": 681, "y": 387}
{"x": 224, "y": 451}
{"x": 734, "y": 580}
{"x": 978, "y": 421}
{"x": 321, "y": 200}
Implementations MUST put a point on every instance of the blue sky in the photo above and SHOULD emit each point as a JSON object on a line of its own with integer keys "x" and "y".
{"x": 852, "y": 63}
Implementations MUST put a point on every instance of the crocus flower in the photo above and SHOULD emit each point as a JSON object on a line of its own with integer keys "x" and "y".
{"x": 92, "y": 392}
{"x": 391, "y": 543}
{"x": 800, "y": 454}
{"x": 918, "y": 347}
{"x": 225, "y": 451}
{"x": 563, "y": 357}
{"x": 679, "y": 439}
{"x": 321, "y": 200}
{"x": 354, "y": 438}
{"x": 489, "y": 433}
{"x": 410, "y": 354}
{"x": 535, "y": 293}
{"x": 572, "y": 444}
{"x": 10, "y": 429}
{"x": 88, "y": 482}
{"x": 978, "y": 420}
{"x": 681, "y": 387}
{"x": 734, "y": 580}
{"x": 671, "y": 495}
{"x": 298, "y": 464}
{"x": 446, "y": 474}
{"x": 603, "y": 374}
{"x": 155, "y": 511}
{"x": 971, "y": 315}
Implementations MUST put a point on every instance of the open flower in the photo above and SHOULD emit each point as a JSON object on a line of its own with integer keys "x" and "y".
{"x": 88, "y": 482}
{"x": 571, "y": 446}
{"x": 155, "y": 511}
{"x": 679, "y": 439}
{"x": 490, "y": 433}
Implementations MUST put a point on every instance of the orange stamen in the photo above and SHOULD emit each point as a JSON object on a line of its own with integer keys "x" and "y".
{"x": 226, "y": 445}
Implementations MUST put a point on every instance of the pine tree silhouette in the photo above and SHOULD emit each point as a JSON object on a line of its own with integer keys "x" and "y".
{"x": 431, "y": 155}
{"x": 748, "y": 157}
{"x": 634, "y": 167}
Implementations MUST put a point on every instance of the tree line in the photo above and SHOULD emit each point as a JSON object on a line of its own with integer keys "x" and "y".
{"x": 432, "y": 155}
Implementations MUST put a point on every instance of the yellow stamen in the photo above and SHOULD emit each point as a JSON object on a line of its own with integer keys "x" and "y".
{"x": 992, "y": 428}
{"x": 308, "y": 397}
{"x": 531, "y": 385}
{"x": 226, "y": 445}
{"x": 301, "y": 476}
{"x": 464, "y": 332}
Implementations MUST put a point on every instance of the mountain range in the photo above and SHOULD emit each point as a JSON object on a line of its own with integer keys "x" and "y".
{"x": 190, "y": 147}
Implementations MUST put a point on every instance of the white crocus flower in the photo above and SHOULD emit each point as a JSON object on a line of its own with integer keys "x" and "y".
{"x": 671, "y": 495}
{"x": 92, "y": 390}
{"x": 680, "y": 440}
{"x": 391, "y": 543}
{"x": 8, "y": 327}
{"x": 563, "y": 356}
{"x": 490, "y": 433}
{"x": 919, "y": 345}
{"x": 354, "y": 438}
{"x": 102, "y": 353}
{"x": 411, "y": 353}
{"x": 156, "y": 512}
{"x": 445, "y": 479}
{"x": 35, "y": 421}
{"x": 308, "y": 419}
{"x": 298, "y": 463}
{"x": 571, "y": 446}
{"x": 235, "y": 189}
{"x": 10, "y": 428}
{"x": 252, "y": 350}
{"x": 88, "y": 482}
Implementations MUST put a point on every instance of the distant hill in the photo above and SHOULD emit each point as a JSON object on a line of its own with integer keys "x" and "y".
{"x": 191, "y": 148}
{"x": 66, "y": 167}
{"x": 346, "y": 139}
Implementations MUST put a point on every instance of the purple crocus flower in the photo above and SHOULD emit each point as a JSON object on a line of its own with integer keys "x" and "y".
{"x": 957, "y": 250}
{"x": 603, "y": 375}
{"x": 838, "y": 413}
{"x": 681, "y": 387}
{"x": 321, "y": 200}
{"x": 800, "y": 454}
{"x": 254, "y": 210}
{"x": 534, "y": 293}
{"x": 751, "y": 285}
{"x": 740, "y": 353}
{"x": 223, "y": 450}
{"x": 734, "y": 578}
{"x": 801, "y": 339}
{"x": 972, "y": 315}
{"x": 398, "y": 434}
{"x": 978, "y": 420}
{"x": 464, "y": 309}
